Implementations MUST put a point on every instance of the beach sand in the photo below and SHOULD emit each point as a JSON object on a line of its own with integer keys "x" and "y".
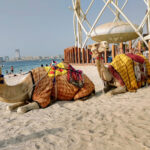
{"x": 120, "y": 122}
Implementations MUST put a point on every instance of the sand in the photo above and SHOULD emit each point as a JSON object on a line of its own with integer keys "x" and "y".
{"x": 121, "y": 122}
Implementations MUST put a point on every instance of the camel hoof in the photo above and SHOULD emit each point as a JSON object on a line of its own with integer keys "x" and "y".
{"x": 109, "y": 94}
{"x": 21, "y": 110}
{"x": 106, "y": 89}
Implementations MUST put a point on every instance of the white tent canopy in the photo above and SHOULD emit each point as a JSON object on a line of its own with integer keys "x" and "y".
{"x": 114, "y": 32}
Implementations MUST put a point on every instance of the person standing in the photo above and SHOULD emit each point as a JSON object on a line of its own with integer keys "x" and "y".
{"x": 6, "y": 71}
{"x": 12, "y": 69}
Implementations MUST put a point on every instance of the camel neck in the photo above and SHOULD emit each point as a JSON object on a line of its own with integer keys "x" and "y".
{"x": 16, "y": 93}
{"x": 103, "y": 71}
{"x": 99, "y": 65}
{"x": 10, "y": 94}
{"x": 99, "y": 62}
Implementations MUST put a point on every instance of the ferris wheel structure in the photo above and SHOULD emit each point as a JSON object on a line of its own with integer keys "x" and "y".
{"x": 114, "y": 32}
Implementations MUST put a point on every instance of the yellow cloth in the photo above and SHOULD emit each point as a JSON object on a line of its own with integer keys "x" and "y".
{"x": 124, "y": 66}
{"x": 60, "y": 70}
{"x": 147, "y": 67}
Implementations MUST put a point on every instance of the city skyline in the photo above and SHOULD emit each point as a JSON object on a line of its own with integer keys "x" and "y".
{"x": 17, "y": 57}
{"x": 45, "y": 28}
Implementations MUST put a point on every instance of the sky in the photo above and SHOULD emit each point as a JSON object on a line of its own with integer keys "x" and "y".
{"x": 45, "y": 27}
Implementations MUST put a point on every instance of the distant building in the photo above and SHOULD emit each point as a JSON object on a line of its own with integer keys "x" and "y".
{"x": 60, "y": 56}
{"x": 6, "y": 58}
{"x": 27, "y": 58}
{"x": 1, "y": 59}
{"x": 17, "y": 54}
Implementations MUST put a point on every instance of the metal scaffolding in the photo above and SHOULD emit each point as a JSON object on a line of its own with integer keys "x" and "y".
{"x": 80, "y": 17}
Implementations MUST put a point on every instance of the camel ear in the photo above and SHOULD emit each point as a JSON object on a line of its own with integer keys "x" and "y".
{"x": 97, "y": 44}
{"x": 89, "y": 46}
{"x": 1, "y": 77}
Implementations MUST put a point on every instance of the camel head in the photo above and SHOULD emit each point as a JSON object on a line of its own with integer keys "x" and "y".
{"x": 98, "y": 48}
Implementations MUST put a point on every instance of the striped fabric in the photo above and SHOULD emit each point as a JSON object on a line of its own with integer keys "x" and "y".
{"x": 59, "y": 70}
{"x": 46, "y": 91}
{"x": 147, "y": 66}
{"x": 124, "y": 66}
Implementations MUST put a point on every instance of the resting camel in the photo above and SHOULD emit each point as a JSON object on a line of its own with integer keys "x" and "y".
{"x": 104, "y": 72}
{"x": 39, "y": 89}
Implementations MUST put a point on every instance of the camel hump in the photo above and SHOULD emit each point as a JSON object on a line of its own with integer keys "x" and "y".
{"x": 86, "y": 90}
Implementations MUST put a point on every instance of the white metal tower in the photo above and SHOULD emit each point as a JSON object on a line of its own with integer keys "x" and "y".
{"x": 80, "y": 17}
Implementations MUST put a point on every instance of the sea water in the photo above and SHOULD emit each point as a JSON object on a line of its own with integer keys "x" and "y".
{"x": 24, "y": 66}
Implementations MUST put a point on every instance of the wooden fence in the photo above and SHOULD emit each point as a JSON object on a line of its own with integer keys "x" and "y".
{"x": 78, "y": 56}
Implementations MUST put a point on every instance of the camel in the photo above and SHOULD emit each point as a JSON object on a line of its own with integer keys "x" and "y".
{"x": 23, "y": 95}
{"x": 111, "y": 85}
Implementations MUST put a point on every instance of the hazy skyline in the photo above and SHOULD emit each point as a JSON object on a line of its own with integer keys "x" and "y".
{"x": 45, "y": 28}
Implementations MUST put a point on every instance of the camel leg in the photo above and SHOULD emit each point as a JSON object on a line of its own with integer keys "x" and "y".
{"x": 28, "y": 107}
{"x": 87, "y": 90}
{"x": 14, "y": 106}
{"x": 107, "y": 87}
{"x": 86, "y": 97}
{"x": 118, "y": 90}
{"x": 84, "y": 93}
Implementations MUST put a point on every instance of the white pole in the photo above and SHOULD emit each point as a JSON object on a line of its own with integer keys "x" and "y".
{"x": 121, "y": 9}
{"x": 89, "y": 7}
{"x": 78, "y": 19}
{"x": 78, "y": 10}
{"x": 146, "y": 2}
{"x": 85, "y": 19}
{"x": 110, "y": 8}
{"x": 75, "y": 29}
{"x": 126, "y": 18}
{"x": 144, "y": 21}
{"x": 98, "y": 17}
{"x": 117, "y": 13}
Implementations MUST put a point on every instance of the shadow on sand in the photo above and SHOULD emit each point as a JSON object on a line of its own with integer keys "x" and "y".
{"x": 24, "y": 138}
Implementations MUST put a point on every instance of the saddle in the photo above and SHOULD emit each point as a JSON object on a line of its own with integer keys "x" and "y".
{"x": 134, "y": 69}
{"x": 75, "y": 77}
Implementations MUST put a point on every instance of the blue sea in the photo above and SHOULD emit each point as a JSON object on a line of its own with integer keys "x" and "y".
{"x": 25, "y": 66}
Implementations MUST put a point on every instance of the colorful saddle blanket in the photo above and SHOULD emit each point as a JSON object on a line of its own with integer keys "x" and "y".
{"x": 75, "y": 77}
{"x": 147, "y": 68}
{"x": 124, "y": 65}
{"x": 56, "y": 70}
{"x": 44, "y": 85}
